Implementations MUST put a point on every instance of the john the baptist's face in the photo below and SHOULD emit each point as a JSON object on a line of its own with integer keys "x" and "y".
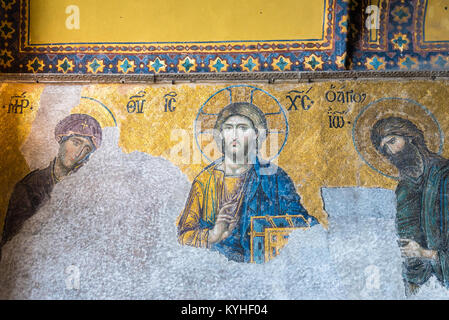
{"x": 73, "y": 150}
{"x": 402, "y": 153}
{"x": 239, "y": 137}
{"x": 392, "y": 144}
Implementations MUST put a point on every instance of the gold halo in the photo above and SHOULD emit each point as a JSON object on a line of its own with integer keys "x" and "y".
{"x": 393, "y": 107}
{"x": 97, "y": 110}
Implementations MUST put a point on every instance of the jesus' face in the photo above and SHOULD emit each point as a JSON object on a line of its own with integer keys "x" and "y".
{"x": 239, "y": 139}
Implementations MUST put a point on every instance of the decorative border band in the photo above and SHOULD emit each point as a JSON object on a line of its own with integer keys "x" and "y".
{"x": 269, "y": 77}
{"x": 404, "y": 47}
{"x": 419, "y": 21}
{"x": 17, "y": 56}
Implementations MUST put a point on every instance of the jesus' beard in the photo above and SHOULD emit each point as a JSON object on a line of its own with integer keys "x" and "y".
{"x": 243, "y": 156}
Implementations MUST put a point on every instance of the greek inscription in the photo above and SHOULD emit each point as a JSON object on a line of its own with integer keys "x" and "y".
{"x": 336, "y": 119}
{"x": 136, "y": 103}
{"x": 18, "y": 103}
{"x": 342, "y": 96}
{"x": 304, "y": 100}
{"x": 170, "y": 99}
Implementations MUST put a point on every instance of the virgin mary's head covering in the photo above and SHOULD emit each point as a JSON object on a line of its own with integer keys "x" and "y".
{"x": 79, "y": 124}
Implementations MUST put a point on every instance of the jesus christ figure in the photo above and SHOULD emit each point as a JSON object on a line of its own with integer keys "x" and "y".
{"x": 236, "y": 187}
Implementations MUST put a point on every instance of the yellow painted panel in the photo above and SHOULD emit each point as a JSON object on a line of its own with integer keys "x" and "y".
{"x": 437, "y": 21}
{"x": 176, "y": 21}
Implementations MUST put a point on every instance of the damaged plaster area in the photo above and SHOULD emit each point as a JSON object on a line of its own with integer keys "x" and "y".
{"x": 109, "y": 232}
